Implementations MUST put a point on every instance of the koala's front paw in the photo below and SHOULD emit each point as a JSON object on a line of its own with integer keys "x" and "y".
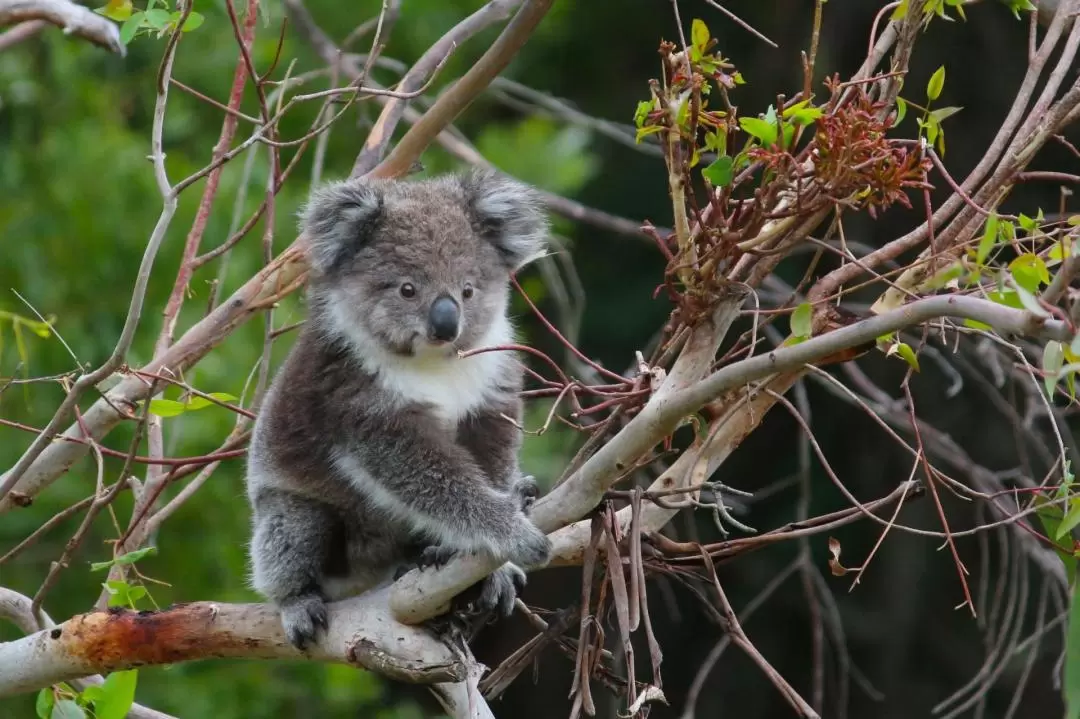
{"x": 529, "y": 547}
{"x": 526, "y": 490}
{"x": 435, "y": 555}
{"x": 302, "y": 617}
{"x": 500, "y": 589}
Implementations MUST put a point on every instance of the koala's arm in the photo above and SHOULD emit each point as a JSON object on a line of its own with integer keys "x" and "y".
{"x": 413, "y": 469}
{"x": 494, "y": 441}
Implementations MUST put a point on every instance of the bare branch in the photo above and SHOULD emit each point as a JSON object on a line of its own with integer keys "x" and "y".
{"x": 452, "y": 102}
{"x": 73, "y": 19}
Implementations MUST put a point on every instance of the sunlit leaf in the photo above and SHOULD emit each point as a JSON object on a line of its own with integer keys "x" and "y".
{"x": 45, "y": 702}
{"x": 1052, "y": 359}
{"x": 130, "y": 27}
{"x": 129, "y": 558}
{"x": 936, "y": 84}
{"x": 1029, "y": 270}
{"x": 699, "y": 33}
{"x": 801, "y": 318}
{"x": 760, "y": 129}
{"x": 117, "y": 696}
{"x": 989, "y": 238}
{"x": 194, "y": 21}
{"x": 720, "y": 172}
{"x": 197, "y": 402}
{"x": 908, "y": 355}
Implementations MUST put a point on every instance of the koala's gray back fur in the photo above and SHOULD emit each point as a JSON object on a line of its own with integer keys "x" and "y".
{"x": 376, "y": 442}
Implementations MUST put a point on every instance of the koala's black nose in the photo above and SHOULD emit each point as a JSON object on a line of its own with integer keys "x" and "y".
{"x": 444, "y": 319}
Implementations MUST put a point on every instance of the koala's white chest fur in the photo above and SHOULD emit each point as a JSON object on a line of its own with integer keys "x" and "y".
{"x": 453, "y": 385}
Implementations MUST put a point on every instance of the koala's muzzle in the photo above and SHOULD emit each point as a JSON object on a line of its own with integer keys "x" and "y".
{"x": 444, "y": 320}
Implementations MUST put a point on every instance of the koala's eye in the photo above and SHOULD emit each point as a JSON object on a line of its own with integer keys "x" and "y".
{"x": 467, "y": 292}
{"x": 408, "y": 291}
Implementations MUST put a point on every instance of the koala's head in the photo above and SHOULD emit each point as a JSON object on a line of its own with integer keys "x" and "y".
{"x": 421, "y": 266}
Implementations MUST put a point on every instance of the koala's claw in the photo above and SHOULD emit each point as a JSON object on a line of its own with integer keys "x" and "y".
{"x": 500, "y": 589}
{"x": 435, "y": 555}
{"x": 302, "y": 617}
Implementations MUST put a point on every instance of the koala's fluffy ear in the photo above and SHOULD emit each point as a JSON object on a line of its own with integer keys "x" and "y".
{"x": 339, "y": 218}
{"x": 508, "y": 214}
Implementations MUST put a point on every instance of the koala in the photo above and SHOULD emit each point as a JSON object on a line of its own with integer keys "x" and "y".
{"x": 378, "y": 447}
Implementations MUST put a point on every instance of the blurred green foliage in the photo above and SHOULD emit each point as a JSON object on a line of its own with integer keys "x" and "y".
{"x": 80, "y": 202}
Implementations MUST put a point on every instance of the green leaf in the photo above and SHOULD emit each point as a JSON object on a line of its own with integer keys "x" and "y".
{"x": 194, "y": 20}
{"x": 1027, "y": 223}
{"x": 976, "y": 325}
{"x": 1061, "y": 249}
{"x": 118, "y": 592}
{"x": 44, "y": 704}
{"x": 901, "y": 110}
{"x": 801, "y": 114}
{"x": 721, "y": 172}
{"x": 908, "y": 355}
{"x": 118, "y": 695}
{"x": 901, "y": 11}
{"x": 646, "y": 131}
{"x": 699, "y": 34}
{"x": 801, "y": 320}
{"x": 130, "y": 27}
{"x": 761, "y": 129}
{"x": 643, "y": 109}
{"x": 67, "y": 709}
{"x": 1030, "y": 303}
{"x": 789, "y": 136}
{"x": 989, "y": 238}
{"x": 167, "y": 407}
{"x": 944, "y": 113}
{"x": 1015, "y": 6}
{"x": 1052, "y": 359}
{"x": 157, "y": 19}
{"x": 129, "y": 558}
{"x": 936, "y": 84}
{"x": 118, "y": 10}
{"x": 1029, "y": 270}
{"x": 1071, "y": 683}
{"x": 1007, "y": 298}
{"x": 197, "y": 402}
{"x": 91, "y": 694}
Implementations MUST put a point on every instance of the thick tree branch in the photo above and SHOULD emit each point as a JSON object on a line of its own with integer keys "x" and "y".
{"x": 360, "y": 633}
{"x": 18, "y": 609}
{"x": 73, "y": 19}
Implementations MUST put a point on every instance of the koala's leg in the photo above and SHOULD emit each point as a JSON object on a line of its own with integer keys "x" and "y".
{"x": 295, "y": 542}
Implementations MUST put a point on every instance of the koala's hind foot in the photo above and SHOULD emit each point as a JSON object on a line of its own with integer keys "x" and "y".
{"x": 302, "y": 617}
{"x": 499, "y": 590}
